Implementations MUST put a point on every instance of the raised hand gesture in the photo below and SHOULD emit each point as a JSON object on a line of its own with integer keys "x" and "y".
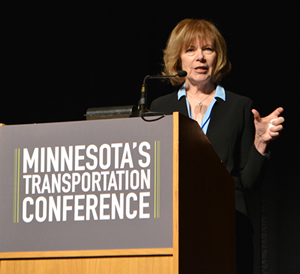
{"x": 267, "y": 128}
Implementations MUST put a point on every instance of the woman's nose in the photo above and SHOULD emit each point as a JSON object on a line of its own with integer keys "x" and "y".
{"x": 200, "y": 56}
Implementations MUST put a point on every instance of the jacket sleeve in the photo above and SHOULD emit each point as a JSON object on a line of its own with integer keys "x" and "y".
{"x": 253, "y": 164}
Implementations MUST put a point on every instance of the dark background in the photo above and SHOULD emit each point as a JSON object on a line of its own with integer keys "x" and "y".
{"x": 60, "y": 59}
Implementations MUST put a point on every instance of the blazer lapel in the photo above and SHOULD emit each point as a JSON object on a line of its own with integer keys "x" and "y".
{"x": 182, "y": 108}
{"x": 215, "y": 119}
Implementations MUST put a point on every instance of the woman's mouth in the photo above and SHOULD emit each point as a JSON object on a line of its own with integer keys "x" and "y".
{"x": 201, "y": 69}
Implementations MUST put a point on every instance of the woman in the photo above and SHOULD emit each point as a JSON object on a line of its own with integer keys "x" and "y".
{"x": 197, "y": 47}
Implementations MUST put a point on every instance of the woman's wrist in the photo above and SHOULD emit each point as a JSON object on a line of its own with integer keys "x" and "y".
{"x": 260, "y": 144}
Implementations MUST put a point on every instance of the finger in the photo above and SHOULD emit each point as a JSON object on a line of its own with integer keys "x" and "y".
{"x": 256, "y": 114}
{"x": 275, "y": 129}
{"x": 277, "y": 111}
{"x": 277, "y": 121}
{"x": 274, "y": 134}
{"x": 272, "y": 123}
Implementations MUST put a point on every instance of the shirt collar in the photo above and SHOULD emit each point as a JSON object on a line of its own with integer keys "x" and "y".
{"x": 220, "y": 92}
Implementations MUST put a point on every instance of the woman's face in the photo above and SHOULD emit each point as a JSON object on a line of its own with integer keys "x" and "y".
{"x": 198, "y": 60}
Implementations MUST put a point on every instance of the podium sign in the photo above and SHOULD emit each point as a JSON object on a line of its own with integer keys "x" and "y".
{"x": 114, "y": 196}
{"x": 89, "y": 185}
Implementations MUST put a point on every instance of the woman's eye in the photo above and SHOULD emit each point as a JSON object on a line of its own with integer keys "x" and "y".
{"x": 190, "y": 51}
{"x": 208, "y": 50}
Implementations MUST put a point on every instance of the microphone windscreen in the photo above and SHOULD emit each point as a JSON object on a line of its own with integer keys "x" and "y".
{"x": 182, "y": 73}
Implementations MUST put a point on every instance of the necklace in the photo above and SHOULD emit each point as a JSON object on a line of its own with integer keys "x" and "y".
{"x": 199, "y": 102}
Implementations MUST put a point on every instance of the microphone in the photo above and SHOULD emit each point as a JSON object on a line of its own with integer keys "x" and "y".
{"x": 181, "y": 73}
{"x": 142, "y": 105}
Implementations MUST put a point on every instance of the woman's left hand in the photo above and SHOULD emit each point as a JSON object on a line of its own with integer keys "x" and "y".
{"x": 267, "y": 128}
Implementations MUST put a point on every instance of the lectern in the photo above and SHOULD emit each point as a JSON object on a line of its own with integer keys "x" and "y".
{"x": 114, "y": 196}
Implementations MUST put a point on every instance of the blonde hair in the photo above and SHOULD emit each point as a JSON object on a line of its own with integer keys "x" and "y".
{"x": 180, "y": 39}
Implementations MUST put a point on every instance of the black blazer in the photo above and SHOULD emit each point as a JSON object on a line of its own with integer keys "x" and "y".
{"x": 231, "y": 133}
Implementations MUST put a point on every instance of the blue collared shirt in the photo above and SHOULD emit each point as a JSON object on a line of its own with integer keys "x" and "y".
{"x": 220, "y": 93}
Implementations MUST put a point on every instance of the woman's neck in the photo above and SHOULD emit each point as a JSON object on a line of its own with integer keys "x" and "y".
{"x": 200, "y": 88}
